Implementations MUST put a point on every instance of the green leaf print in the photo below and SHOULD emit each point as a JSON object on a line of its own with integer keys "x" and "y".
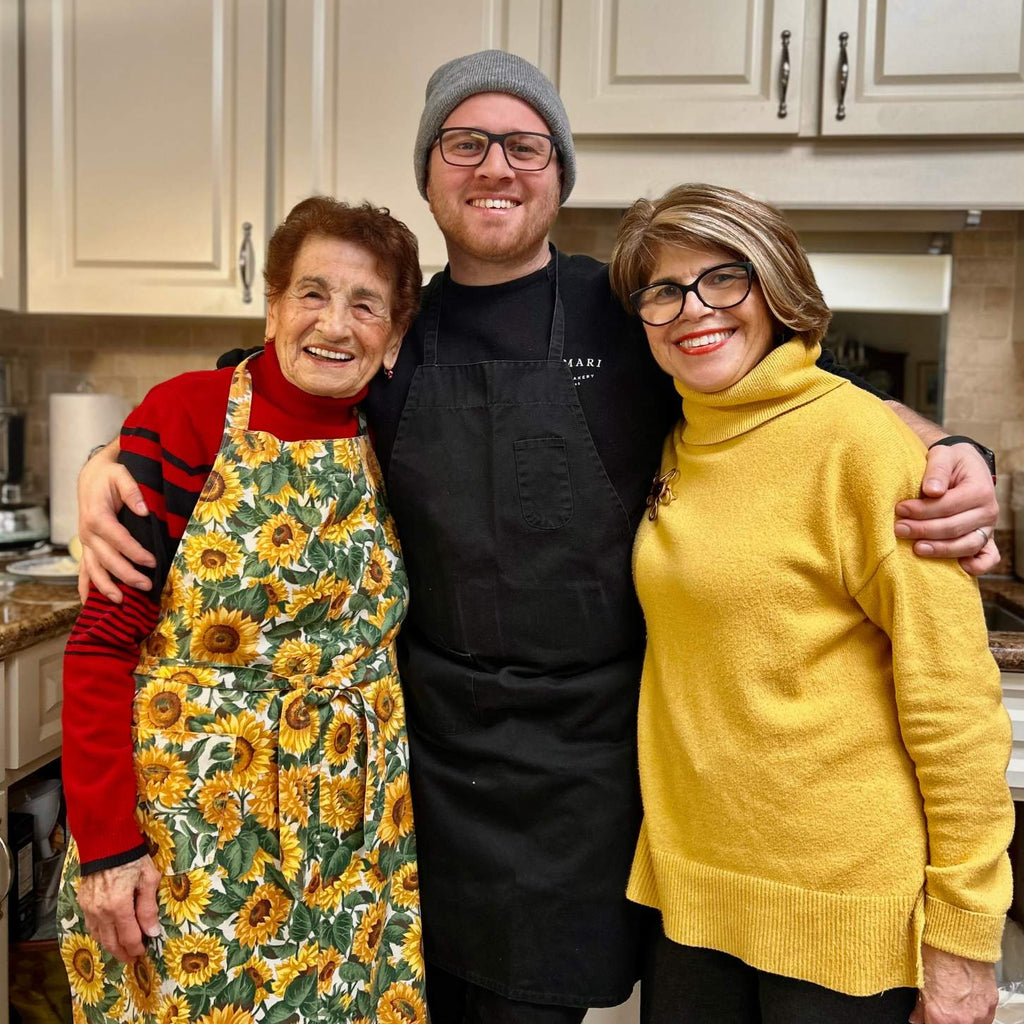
{"x": 302, "y": 920}
{"x": 360, "y": 602}
{"x": 300, "y": 990}
{"x": 354, "y": 563}
{"x": 353, "y": 971}
{"x": 232, "y": 857}
{"x": 249, "y": 843}
{"x": 253, "y": 601}
{"x": 309, "y": 515}
{"x": 341, "y": 931}
{"x": 271, "y": 477}
{"x": 348, "y": 503}
{"x": 369, "y": 632}
{"x": 317, "y": 555}
{"x": 283, "y": 630}
{"x": 337, "y": 862}
{"x": 247, "y": 517}
{"x": 269, "y": 841}
{"x": 313, "y": 614}
{"x": 242, "y": 991}
{"x": 280, "y": 1013}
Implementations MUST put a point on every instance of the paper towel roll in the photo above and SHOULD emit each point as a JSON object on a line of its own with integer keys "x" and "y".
{"x": 77, "y": 424}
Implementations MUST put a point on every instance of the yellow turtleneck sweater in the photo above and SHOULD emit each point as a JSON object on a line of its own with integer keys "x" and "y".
{"x": 822, "y": 737}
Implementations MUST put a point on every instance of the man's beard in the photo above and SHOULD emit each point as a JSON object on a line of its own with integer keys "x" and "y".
{"x": 499, "y": 246}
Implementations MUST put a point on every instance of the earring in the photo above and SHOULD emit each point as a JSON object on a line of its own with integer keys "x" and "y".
{"x": 388, "y": 372}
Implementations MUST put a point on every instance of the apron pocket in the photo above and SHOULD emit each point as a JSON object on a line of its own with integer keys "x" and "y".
{"x": 545, "y": 488}
{"x": 186, "y": 800}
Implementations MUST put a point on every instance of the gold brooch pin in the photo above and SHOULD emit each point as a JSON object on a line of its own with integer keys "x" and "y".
{"x": 661, "y": 493}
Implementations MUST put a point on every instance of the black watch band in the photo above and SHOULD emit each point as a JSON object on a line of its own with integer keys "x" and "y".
{"x": 986, "y": 453}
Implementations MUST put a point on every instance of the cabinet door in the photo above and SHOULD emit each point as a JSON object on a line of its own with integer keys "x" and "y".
{"x": 355, "y": 75}
{"x": 635, "y": 67}
{"x": 146, "y": 153}
{"x": 34, "y": 689}
{"x": 10, "y": 146}
{"x": 941, "y": 68}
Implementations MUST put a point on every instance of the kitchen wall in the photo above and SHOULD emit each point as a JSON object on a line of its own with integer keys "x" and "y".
{"x": 984, "y": 383}
{"x": 121, "y": 355}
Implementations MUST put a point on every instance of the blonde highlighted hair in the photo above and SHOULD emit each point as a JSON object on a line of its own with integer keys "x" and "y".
{"x": 697, "y": 216}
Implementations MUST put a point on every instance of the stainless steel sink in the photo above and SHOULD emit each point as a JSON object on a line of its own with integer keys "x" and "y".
{"x": 999, "y": 618}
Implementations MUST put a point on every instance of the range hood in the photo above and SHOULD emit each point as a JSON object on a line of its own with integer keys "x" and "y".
{"x": 884, "y": 282}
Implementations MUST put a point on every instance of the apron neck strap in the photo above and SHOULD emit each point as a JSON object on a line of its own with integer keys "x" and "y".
{"x": 241, "y": 391}
{"x": 556, "y": 339}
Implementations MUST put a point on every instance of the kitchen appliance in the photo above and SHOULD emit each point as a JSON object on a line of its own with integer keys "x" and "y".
{"x": 22, "y": 899}
{"x": 22, "y": 522}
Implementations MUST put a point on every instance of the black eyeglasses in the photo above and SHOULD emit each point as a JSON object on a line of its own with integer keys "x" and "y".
{"x": 468, "y": 147}
{"x": 719, "y": 287}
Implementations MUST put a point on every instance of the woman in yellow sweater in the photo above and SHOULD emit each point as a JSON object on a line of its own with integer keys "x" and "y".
{"x": 822, "y": 739}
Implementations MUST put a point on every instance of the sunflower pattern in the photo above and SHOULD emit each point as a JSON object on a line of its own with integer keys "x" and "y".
{"x": 271, "y": 757}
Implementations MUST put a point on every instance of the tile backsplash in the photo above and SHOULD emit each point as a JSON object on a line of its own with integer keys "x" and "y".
{"x": 120, "y": 355}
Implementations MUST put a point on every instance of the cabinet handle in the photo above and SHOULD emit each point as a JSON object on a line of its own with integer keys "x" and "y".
{"x": 844, "y": 75}
{"x": 9, "y": 857}
{"x": 784, "y": 73}
{"x": 246, "y": 261}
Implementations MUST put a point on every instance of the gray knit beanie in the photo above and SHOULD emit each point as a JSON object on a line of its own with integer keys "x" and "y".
{"x": 492, "y": 71}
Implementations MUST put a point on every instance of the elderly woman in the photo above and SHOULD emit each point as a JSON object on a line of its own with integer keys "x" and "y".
{"x": 822, "y": 740}
{"x": 235, "y": 756}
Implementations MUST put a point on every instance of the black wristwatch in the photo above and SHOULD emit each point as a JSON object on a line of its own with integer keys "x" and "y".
{"x": 986, "y": 453}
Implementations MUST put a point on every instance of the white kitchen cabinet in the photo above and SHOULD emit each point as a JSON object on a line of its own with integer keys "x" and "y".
{"x": 636, "y": 67}
{"x": 941, "y": 68}
{"x": 354, "y": 79}
{"x": 34, "y": 694}
{"x": 146, "y": 152}
{"x": 10, "y": 156}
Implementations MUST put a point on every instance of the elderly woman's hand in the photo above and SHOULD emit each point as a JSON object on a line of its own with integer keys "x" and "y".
{"x": 955, "y": 991}
{"x": 104, "y": 487}
{"x": 120, "y": 905}
{"x": 958, "y": 512}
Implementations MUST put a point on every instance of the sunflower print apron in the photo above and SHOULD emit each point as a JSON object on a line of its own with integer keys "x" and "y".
{"x": 271, "y": 756}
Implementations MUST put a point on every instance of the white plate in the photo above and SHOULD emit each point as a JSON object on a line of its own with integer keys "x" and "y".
{"x": 54, "y": 569}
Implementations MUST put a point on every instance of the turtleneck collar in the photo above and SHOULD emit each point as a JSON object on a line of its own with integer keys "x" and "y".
{"x": 784, "y": 380}
{"x": 269, "y": 382}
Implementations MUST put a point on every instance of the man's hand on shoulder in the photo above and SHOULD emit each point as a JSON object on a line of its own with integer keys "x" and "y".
{"x": 956, "y": 514}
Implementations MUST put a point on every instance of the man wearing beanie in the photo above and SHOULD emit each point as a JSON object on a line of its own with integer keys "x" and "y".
{"x": 519, "y": 436}
{"x": 519, "y": 452}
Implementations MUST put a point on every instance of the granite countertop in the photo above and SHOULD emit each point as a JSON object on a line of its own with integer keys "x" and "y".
{"x": 1006, "y": 648}
{"x": 30, "y": 611}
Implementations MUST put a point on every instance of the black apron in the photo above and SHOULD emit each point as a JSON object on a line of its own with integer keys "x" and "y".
{"x": 521, "y": 665}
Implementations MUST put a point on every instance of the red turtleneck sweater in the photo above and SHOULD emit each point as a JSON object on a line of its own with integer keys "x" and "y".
{"x": 169, "y": 443}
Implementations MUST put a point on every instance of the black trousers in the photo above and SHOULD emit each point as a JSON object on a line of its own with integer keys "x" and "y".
{"x": 689, "y": 985}
{"x": 454, "y": 1001}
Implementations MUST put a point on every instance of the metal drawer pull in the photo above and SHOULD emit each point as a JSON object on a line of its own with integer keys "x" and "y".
{"x": 844, "y": 75}
{"x": 246, "y": 261}
{"x": 784, "y": 73}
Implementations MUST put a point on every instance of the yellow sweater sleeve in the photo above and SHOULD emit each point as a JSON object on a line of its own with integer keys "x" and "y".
{"x": 954, "y": 726}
